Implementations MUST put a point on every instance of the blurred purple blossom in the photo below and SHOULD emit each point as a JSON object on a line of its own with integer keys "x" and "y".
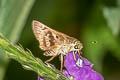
{"x": 81, "y": 69}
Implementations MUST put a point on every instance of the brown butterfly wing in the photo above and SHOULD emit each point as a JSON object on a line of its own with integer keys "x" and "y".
{"x": 47, "y": 37}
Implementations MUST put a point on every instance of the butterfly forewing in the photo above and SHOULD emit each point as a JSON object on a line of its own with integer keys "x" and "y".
{"x": 47, "y": 37}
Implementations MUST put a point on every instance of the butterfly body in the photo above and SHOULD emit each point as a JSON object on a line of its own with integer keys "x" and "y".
{"x": 53, "y": 42}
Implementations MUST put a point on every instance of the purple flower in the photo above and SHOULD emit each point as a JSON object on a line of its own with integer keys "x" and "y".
{"x": 81, "y": 69}
{"x": 39, "y": 78}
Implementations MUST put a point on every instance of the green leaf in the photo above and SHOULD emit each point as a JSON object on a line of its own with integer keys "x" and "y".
{"x": 13, "y": 15}
{"x": 112, "y": 17}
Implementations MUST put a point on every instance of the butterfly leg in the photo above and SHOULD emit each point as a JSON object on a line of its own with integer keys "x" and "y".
{"x": 74, "y": 52}
{"x": 50, "y": 59}
{"x": 80, "y": 54}
{"x": 61, "y": 59}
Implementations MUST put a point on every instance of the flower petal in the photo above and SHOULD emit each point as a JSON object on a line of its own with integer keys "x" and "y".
{"x": 80, "y": 69}
{"x": 39, "y": 78}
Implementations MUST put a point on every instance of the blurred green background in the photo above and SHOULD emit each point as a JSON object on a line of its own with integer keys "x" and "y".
{"x": 96, "y": 23}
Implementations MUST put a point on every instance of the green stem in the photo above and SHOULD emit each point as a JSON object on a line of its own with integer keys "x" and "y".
{"x": 28, "y": 61}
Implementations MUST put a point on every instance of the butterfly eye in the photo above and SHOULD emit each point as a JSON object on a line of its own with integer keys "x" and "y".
{"x": 76, "y": 46}
{"x": 57, "y": 37}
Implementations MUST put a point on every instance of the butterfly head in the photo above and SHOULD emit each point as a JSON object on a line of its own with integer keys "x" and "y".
{"x": 76, "y": 47}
